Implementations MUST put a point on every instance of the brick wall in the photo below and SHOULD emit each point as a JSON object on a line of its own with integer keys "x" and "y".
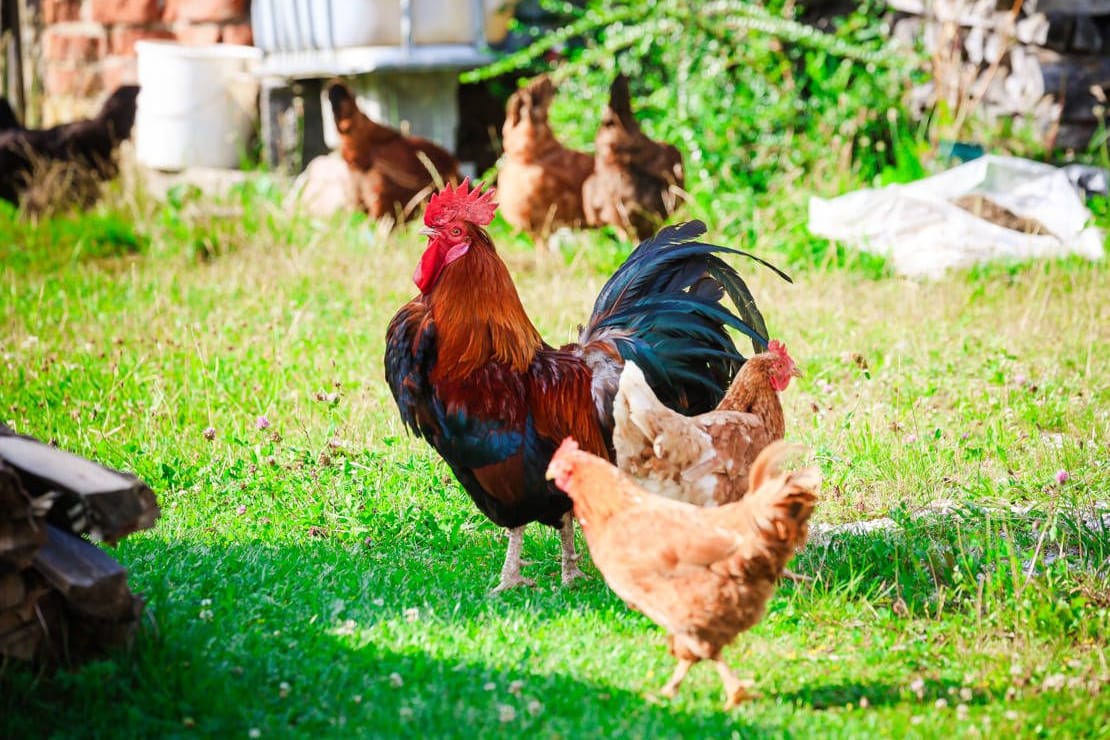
{"x": 88, "y": 46}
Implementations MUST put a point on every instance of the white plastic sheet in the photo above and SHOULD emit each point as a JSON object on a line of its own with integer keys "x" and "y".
{"x": 923, "y": 232}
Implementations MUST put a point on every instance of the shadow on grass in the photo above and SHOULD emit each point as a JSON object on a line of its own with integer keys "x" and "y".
{"x": 336, "y": 638}
{"x": 316, "y": 639}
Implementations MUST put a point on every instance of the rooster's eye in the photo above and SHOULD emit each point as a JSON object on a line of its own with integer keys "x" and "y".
{"x": 456, "y": 231}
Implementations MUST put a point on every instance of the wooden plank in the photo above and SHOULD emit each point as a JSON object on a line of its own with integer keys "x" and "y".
{"x": 91, "y": 582}
{"x": 92, "y": 499}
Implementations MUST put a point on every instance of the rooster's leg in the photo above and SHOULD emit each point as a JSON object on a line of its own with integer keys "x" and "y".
{"x": 671, "y": 687}
{"x": 570, "y": 557}
{"x": 510, "y": 571}
{"x": 736, "y": 690}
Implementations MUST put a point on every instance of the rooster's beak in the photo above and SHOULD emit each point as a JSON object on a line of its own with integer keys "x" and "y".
{"x": 426, "y": 231}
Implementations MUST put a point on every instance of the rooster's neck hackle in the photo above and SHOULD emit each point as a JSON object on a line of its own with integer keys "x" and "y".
{"x": 751, "y": 392}
{"x": 479, "y": 317}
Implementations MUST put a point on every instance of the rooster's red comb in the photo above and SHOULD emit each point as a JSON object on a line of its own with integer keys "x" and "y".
{"x": 460, "y": 202}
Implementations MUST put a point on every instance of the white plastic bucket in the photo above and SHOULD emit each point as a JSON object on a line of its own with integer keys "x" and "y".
{"x": 196, "y": 106}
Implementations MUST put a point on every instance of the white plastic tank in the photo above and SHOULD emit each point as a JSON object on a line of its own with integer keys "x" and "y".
{"x": 197, "y": 104}
{"x": 294, "y": 25}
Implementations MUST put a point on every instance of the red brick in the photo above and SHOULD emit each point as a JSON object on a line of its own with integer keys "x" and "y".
{"x": 73, "y": 46}
{"x": 79, "y": 81}
{"x": 116, "y": 71}
{"x": 211, "y": 11}
{"x": 208, "y": 33}
{"x": 60, "y": 11}
{"x": 110, "y": 12}
{"x": 237, "y": 33}
{"x": 123, "y": 38}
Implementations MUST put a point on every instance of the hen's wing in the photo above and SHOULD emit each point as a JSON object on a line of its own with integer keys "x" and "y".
{"x": 660, "y": 559}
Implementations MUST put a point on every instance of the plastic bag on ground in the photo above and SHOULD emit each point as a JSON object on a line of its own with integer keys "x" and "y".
{"x": 987, "y": 209}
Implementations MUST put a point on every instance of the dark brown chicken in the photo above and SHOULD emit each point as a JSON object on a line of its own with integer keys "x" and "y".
{"x": 540, "y": 181}
{"x": 74, "y": 157}
{"x": 702, "y": 574}
{"x": 393, "y": 174}
{"x": 636, "y": 181}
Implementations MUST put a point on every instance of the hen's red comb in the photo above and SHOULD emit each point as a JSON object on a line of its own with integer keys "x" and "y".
{"x": 460, "y": 202}
{"x": 778, "y": 348}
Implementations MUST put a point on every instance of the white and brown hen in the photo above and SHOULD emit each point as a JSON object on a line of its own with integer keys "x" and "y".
{"x": 703, "y": 459}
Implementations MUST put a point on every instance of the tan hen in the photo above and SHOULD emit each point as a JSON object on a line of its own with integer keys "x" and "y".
{"x": 702, "y": 574}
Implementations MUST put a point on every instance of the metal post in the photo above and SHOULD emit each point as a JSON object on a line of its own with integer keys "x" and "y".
{"x": 15, "y": 57}
{"x": 479, "y": 9}
{"x": 406, "y": 25}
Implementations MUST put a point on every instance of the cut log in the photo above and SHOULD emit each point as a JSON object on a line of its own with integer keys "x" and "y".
{"x": 12, "y": 590}
{"x": 62, "y": 598}
{"x": 19, "y": 535}
{"x": 22, "y": 643}
{"x": 90, "y": 498}
{"x": 89, "y": 580}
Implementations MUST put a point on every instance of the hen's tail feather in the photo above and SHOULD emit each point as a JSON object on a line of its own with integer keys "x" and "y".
{"x": 620, "y": 101}
{"x": 780, "y": 502}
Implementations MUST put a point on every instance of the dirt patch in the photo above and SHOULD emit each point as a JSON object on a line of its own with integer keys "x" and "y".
{"x": 988, "y": 210}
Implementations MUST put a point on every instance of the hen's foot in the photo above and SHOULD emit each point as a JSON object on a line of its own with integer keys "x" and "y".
{"x": 670, "y": 689}
{"x": 789, "y": 575}
{"x": 737, "y": 691}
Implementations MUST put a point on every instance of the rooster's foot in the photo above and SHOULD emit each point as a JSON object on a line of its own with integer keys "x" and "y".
{"x": 510, "y": 571}
{"x": 571, "y": 573}
{"x": 512, "y": 581}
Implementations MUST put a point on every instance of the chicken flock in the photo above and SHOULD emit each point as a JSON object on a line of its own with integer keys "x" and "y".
{"x": 696, "y": 525}
{"x": 631, "y": 182}
{"x": 653, "y": 430}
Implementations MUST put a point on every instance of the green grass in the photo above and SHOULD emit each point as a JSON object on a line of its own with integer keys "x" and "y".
{"x": 327, "y": 576}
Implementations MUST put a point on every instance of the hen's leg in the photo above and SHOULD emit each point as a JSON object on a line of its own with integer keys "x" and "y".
{"x": 570, "y": 557}
{"x": 736, "y": 691}
{"x": 671, "y": 687}
{"x": 510, "y": 571}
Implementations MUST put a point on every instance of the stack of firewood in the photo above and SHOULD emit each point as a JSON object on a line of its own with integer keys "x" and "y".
{"x": 62, "y": 598}
{"x": 1041, "y": 61}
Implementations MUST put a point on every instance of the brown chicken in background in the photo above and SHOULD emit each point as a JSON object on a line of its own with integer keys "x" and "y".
{"x": 393, "y": 174}
{"x": 702, "y": 574}
{"x": 703, "y": 459}
{"x": 636, "y": 181}
{"x": 540, "y": 180}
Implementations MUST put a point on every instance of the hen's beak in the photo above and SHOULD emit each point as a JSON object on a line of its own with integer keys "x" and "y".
{"x": 797, "y": 372}
{"x": 427, "y": 231}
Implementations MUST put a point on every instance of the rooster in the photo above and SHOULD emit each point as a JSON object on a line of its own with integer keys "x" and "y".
{"x": 471, "y": 374}
{"x": 391, "y": 172}
{"x": 702, "y": 574}
{"x": 636, "y": 180}
{"x": 704, "y": 459}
